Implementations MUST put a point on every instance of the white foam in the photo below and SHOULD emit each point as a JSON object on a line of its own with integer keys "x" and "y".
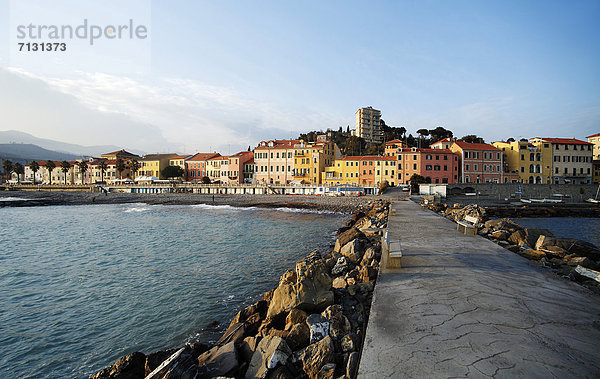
{"x": 12, "y": 199}
{"x": 305, "y": 210}
{"x": 222, "y": 207}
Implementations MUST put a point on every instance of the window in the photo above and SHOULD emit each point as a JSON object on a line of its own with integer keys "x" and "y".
{"x": 475, "y": 167}
{"x": 414, "y": 166}
{"x": 466, "y": 167}
{"x": 428, "y": 167}
{"x": 522, "y": 157}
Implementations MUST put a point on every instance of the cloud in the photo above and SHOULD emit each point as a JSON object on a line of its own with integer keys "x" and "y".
{"x": 179, "y": 113}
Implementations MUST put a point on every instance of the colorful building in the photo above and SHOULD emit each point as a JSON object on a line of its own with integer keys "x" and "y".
{"x": 435, "y": 165}
{"x": 180, "y": 160}
{"x": 532, "y": 162}
{"x": 594, "y": 139}
{"x": 153, "y": 164}
{"x": 249, "y": 168}
{"x": 596, "y": 171}
{"x": 120, "y": 154}
{"x": 311, "y": 158}
{"x": 196, "y": 166}
{"x": 344, "y": 171}
{"x": 479, "y": 163}
{"x": 274, "y": 161}
{"x": 391, "y": 147}
{"x": 571, "y": 159}
{"x": 43, "y": 176}
{"x": 232, "y": 167}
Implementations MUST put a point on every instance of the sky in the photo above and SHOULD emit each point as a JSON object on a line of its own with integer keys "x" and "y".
{"x": 224, "y": 75}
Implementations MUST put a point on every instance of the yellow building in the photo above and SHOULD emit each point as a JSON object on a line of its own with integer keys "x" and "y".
{"x": 532, "y": 161}
{"x": 153, "y": 164}
{"x": 571, "y": 159}
{"x": 594, "y": 139}
{"x": 311, "y": 158}
{"x": 344, "y": 171}
{"x": 180, "y": 160}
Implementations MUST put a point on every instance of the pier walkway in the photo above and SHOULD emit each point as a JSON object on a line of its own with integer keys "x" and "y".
{"x": 464, "y": 306}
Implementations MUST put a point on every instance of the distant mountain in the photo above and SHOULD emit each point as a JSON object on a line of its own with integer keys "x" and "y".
{"x": 19, "y": 152}
{"x": 14, "y": 136}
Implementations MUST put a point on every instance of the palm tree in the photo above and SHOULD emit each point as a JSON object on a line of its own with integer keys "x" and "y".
{"x": 34, "y": 166}
{"x": 19, "y": 170}
{"x": 7, "y": 166}
{"x": 134, "y": 167}
{"x": 65, "y": 167}
{"x": 83, "y": 167}
{"x": 50, "y": 165}
{"x": 103, "y": 167}
{"x": 120, "y": 166}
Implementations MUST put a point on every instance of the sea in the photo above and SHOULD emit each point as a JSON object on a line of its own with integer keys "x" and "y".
{"x": 81, "y": 286}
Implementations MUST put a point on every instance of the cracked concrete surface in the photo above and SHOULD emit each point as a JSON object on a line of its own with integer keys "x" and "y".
{"x": 462, "y": 306}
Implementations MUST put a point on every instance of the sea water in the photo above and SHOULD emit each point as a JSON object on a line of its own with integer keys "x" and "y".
{"x": 81, "y": 286}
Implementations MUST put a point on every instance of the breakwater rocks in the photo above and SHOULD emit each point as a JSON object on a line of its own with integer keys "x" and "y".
{"x": 311, "y": 325}
{"x": 574, "y": 259}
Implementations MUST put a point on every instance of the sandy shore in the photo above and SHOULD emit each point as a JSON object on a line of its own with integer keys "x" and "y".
{"x": 44, "y": 198}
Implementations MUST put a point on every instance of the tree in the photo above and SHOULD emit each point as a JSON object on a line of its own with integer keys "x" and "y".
{"x": 7, "y": 166}
{"x": 19, "y": 170}
{"x": 353, "y": 145}
{"x": 440, "y": 133}
{"x": 172, "y": 172}
{"x": 50, "y": 165}
{"x": 205, "y": 180}
{"x": 510, "y": 140}
{"x": 415, "y": 180}
{"x": 103, "y": 167}
{"x": 34, "y": 166}
{"x": 120, "y": 166}
{"x": 83, "y": 167}
{"x": 65, "y": 167}
{"x": 422, "y": 133}
{"x": 134, "y": 166}
{"x": 472, "y": 138}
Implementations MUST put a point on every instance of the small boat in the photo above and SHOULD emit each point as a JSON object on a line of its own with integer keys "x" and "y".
{"x": 541, "y": 201}
{"x": 595, "y": 200}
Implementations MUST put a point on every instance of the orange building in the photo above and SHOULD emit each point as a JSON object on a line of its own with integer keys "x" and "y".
{"x": 435, "y": 165}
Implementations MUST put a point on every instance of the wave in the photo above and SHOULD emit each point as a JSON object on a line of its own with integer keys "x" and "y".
{"x": 221, "y": 207}
{"x": 306, "y": 210}
{"x": 137, "y": 207}
{"x": 12, "y": 199}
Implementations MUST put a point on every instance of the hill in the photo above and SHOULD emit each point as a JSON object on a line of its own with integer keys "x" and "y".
{"x": 25, "y": 152}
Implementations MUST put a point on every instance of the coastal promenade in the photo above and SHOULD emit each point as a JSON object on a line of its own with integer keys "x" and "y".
{"x": 464, "y": 306}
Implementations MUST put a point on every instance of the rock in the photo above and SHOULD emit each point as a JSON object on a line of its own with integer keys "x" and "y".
{"x": 365, "y": 274}
{"x": 284, "y": 296}
{"x": 319, "y": 327}
{"x": 501, "y": 235}
{"x": 281, "y": 372}
{"x": 247, "y": 348}
{"x": 533, "y": 254}
{"x": 153, "y": 360}
{"x": 340, "y": 267}
{"x": 503, "y": 224}
{"x": 513, "y": 248}
{"x": 181, "y": 364}
{"x": 338, "y": 323}
{"x": 270, "y": 352}
{"x": 131, "y": 366}
{"x": 517, "y": 237}
{"x": 580, "y": 261}
{"x": 573, "y": 246}
{"x": 351, "y": 281}
{"x": 350, "y": 343}
{"x": 296, "y": 316}
{"x": 299, "y": 336}
{"x": 259, "y": 307}
{"x": 314, "y": 285}
{"x": 339, "y": 282}
{"x": 366, "y": 287}
{"x": 533, "y": 234}
{"x": 234, "y": 333}
{"x": 316, "y": 355}
{"x": 327, "y": 371}
{"x": 219, "y": 361}
{"x": 352, "y": 365}
{"x": 347, "y": 236}
{"x": 353, "y": 250}
{"x": 368, "y": 256}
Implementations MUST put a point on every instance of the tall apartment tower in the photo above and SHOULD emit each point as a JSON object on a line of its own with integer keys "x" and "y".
{"x": 368, "y": 125}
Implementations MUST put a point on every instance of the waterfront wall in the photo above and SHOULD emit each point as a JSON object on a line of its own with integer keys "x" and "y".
{"x": 572, "y": 192}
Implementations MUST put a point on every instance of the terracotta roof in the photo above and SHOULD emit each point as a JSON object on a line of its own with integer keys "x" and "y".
{"x": 242, "y": 153}
{"x": 475, "y": 146}
{"x": 394, "y": 141}
{"x": 121, "y": 152}
{"x": 203, "y": 156}
{"x": 279, "y": 144}
{"x": 568, "y": 141}
{"x": 181, "y": 156}
{"x": 249, "y": 161}
{"x": 154, "y": 157}
{"x": 409, "y": 150}
{"x": 444, "y": 140}
{"x": 594, "y": 135}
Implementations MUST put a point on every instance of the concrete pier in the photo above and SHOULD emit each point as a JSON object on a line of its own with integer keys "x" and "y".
{"x": 462, "y": 306}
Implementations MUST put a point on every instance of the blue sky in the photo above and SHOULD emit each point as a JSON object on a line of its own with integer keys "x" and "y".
{"x": 225, "y": 74}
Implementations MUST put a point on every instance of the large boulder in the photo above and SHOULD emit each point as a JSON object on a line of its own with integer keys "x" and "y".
{"x": 570, "y": 245}
{"x": 131, "y": 366}
{"x": 153, "y": 360}
{"x": 219, "y": 361}
{"x": 319, "y": 327}
{"x": 518, "y": 238}
{"x": 285, "y": 295}
{"x": 503, "y": 224}
{"x": 353, "y": 250}
{"x": 270, "y": 352}
{"x": 314, "y": 285}
{"x": 347, "y": 236}
{"x": 316, "y": 355}
{"x": 533, "y": 234}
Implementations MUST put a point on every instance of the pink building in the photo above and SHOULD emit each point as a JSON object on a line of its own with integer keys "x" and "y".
{"x": 478, "y": 162}
{"x": 196, "y": 165}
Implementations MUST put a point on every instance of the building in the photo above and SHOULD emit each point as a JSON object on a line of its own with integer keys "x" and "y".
{"x": 435, "y": 165}
{"x": 368, "y": 125}
{"x": 532, "y": 162}
{"x": 249, "y": 168}
{"x": 344, "y": 171}
{"x": 443, "y": 144}
{"x": 596, "y": 171}
{"x": 153, "y": 164}
{"x": 571, "y": 159}
{"x": 213, "y": 168}
{"x": 42, "y": 176}
{"x": 594, "y": 139}
{"x": 120, "y": 154}
{"x": 479, "y": 163}
{"x": 232, "y": 167}
{"x": 274, "y": 161}
{"x": 180, "y": 160}
{"x": 391, "y": 147}
{"x": 196, "y": 166}
{"x": 384, "y": 170}
{"x": 311, "y": 158}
